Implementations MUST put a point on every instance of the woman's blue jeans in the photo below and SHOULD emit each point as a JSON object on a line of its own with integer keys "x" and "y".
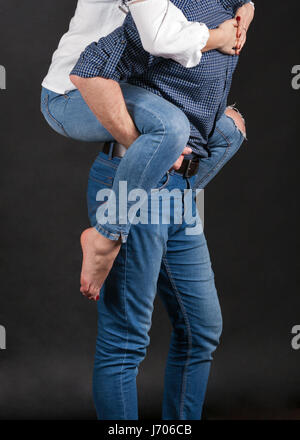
{"x": 164, "y": 132}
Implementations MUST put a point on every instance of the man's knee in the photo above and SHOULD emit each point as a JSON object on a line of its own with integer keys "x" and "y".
{"x": 237, "y": 118}
{"x": 211, "y": 328}
{"x": 206, "y": 340}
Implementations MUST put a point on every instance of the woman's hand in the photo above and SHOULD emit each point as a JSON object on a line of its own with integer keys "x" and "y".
{"x": 223, "y": 38}
{"x": 228, "y": 32}
{"x": 244, "y": 17}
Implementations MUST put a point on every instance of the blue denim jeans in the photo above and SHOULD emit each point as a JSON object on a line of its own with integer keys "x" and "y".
{"x": 164, "y": 132}
{"x": 160, "y": 258}
{"x": 164, "y": 259}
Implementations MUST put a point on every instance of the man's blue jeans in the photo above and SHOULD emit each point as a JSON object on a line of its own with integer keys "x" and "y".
{"x": 164, "y": 132}
{"x": 160, "y": 258}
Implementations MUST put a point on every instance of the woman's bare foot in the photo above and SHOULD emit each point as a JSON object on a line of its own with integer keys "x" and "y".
{"x": 99, "y": 253}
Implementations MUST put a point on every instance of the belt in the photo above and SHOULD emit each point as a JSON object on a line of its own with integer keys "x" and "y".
{"x": 118, "y": 150}
{"x": 189, "y": 167}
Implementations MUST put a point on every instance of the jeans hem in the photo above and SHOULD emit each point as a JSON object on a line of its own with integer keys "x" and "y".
{"x": 111, "y": 235}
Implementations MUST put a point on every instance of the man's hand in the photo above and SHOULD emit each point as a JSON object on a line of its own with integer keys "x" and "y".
{"x": 244, "y": 17}
{"x": 179, "y": 161}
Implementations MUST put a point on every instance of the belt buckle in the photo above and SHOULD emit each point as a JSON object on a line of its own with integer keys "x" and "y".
{"x": 188, "y": 168}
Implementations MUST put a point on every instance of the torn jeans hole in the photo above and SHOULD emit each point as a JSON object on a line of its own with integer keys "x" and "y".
{"x": 233, "y": 107}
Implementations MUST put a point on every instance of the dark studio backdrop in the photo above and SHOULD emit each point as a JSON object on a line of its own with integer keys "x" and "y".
{"x": 251, "y": 223}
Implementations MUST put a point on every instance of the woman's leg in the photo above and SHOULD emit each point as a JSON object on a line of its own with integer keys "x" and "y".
{"x": 164, "y": 134}
{"x": 78, "y": 123}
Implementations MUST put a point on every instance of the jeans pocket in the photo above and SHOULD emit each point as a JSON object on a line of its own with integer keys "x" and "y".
{"x": 102, "y": 181}
{"x": 163, "y": 182}
{"x": 103, "y": 172}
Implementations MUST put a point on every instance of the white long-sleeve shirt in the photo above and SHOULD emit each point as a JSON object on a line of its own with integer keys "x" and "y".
{"x": 163, "y": 28}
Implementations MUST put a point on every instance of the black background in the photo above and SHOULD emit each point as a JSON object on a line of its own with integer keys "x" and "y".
{"x": 251, "y": 223}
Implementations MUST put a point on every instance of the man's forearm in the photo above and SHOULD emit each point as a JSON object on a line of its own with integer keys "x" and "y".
{"x": 105, "y": 98}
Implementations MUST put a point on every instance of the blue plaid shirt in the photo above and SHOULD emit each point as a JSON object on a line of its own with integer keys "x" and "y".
{"x": 200, "y": 92}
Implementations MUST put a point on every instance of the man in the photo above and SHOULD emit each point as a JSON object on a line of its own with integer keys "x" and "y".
{"x": 121, "y": 57}
{"x": 66, "y": 112}
{"x": 181, "y": 265}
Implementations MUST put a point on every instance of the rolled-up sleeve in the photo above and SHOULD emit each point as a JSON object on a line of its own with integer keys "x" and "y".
{"x": 102, "y": 58}
{"x": 117, "y": 56}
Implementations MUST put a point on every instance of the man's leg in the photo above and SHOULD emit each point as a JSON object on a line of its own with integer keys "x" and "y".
{"x": 225, "y": 141}
{"x": 186, "y": 286}
{"x": 128, "y": 296}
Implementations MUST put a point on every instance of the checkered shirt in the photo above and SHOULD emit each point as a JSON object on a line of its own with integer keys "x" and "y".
{"x": 200, "y": 92}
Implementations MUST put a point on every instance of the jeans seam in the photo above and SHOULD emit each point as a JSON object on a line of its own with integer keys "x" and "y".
{"x": 52, "y": 117}
{"x": 189, "y": 333}
{"x": 217, "y": 165}
{"x": 164, "y": 184}
{"x": 127, "y": 333}
{"x": 100, "y": 181}
{"x": 104, "y": 161}
{"x": 155, "y": 152}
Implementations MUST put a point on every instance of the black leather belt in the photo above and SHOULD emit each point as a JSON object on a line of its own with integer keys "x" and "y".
{"x": 118, "y": 150}
{"x": 188, "y": 167}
